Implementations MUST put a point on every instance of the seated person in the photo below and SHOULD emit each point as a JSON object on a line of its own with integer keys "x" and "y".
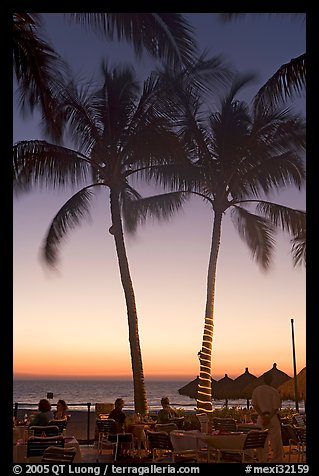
{"x": 61, "y": 408}
{"x": 119, "y": 416}
{"x": 44, "y": 414}
{"x": 167, "y": 412}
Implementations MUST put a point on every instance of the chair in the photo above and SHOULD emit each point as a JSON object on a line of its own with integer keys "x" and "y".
{"x": 139, "y": 438}
{"x": 295, "y": 439}
{"x": 53, "y": 454}
{"x": 298, "y": 420}
{"x": 49, "y": 430}
{"x": 254, "y": 439}
{"x": 246, "y": 428}
{"x": 102, "y": 411}
{"x": 203, "y": 421}
{"x": 159, "y": 443}
{"x": 61, "y": 424}
{"x": 37, "y": 445}
{"x": 302, "y": 443}
{"x": 228, "y": 424}
{"x": 167, "y": 427}
{"x": 179, "y": 422}
{"x": 107, "y": 435}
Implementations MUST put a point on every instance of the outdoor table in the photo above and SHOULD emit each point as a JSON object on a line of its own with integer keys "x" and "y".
{"x": 230, "y": 441}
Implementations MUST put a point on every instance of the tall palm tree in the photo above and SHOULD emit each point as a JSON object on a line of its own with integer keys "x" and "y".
{"x": 240, "y": 156}
{"x": 289, "y": 80}
{"x": 117, "y": 131}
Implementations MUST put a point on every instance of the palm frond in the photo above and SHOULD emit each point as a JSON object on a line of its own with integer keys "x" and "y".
{"x": 151, "y": 144}
{"x": 78, "y": 113}
{"x": 67, "y": 218}
{"x": 160, "y": 207}
{"x": 203, "y": 75}
{"x": 172, "y": 176}
{"x": 298, "y": 250}
{"x": 166, "y": 36}
{"x": 37, "y": 163}
{"x": 208, "y": 74}
{"x": 116, "y": 101}
{"x": 39, "y": 70}
{"x": 288, "y": 81}
{"x": 267, "y": 175}
{"x": 239, "y": 81}
{"x": 286, "y": 218}
{"x": 278, "y": 128}
{"x": 257, "y": 233}
{"x": 128, "y": 196}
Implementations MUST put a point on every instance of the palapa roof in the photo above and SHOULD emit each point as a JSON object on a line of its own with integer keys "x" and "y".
{"x": 190, "y": 389}
{"x": 287, "y": 389}
{"x": 223, "y": 388}
{"x": 241, "y": 382}
{"x": 278, "y": 377}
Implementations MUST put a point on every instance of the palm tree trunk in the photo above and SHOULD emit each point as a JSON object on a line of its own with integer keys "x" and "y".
{"x": 140, "y": 400}
{"x": 204, "y": 394}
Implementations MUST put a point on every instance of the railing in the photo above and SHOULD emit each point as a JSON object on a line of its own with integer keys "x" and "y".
{"x": 28, "y": 405}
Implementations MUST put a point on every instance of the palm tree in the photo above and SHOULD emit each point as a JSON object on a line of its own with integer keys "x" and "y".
{"x": 240, "y": 156}
{"x": 117, "y": 132}
{"x": 289, "y": 80}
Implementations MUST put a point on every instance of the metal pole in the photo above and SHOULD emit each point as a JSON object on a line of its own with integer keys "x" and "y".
{"x": 88, "y": 426}
{"x": 294, "y": 364}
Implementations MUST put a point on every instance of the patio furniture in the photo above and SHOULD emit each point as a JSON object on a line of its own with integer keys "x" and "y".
{"x": 54, "y": 454}
{"x": 37, "y": 445}
{"x": 253, "y": 440}
{"x": 49, "y": 430}
{"x": 160, "y": 444}
{"x": 228, "y": 424}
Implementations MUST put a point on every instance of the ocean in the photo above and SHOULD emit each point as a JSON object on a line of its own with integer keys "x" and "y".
{"x": 78, "y": 392}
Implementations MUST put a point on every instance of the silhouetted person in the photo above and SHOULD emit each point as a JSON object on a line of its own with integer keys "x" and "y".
{"x": 267, "y": 402}
{"x": 119, "y": 416}
{"x": 44, "y": 414}
{"x": 61, "y": 409}
{"x": 167, "y": 412}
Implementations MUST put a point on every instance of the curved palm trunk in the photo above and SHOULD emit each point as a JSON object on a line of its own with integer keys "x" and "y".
{"x": 204, "y": 394}
{"x": 140, "y": 401}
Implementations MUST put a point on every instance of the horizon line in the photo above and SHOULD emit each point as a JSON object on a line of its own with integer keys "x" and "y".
{"x": 98, "y": 377}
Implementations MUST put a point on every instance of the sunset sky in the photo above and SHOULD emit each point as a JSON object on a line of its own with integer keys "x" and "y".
{"x": 73, "y": 322}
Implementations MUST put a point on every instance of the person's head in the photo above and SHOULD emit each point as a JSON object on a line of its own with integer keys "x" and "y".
{"x": 61, "y": 406}
{"x": 267, "y": 378}
{"x": 119, "y": 403}
{"x": 165, "y": 402}
{"x": 44, "y": 405}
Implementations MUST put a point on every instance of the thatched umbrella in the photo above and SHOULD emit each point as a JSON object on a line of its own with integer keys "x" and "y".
{"x": 190, "y": 389}
{"x": 241, "y": 382}
{"x": 224, "y": 388}
{"x": 287, "y": 389}
{"x": 278, "y": 377}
